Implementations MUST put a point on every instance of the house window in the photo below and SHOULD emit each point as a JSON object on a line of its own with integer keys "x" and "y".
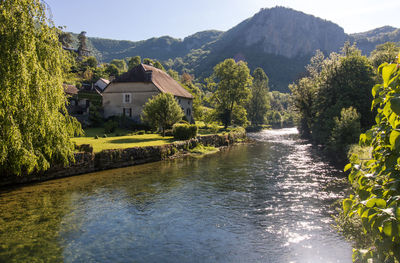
{"x": 127, "y": 112}
{"x": 126, "y": 98}
{"x": 188, "y": 111}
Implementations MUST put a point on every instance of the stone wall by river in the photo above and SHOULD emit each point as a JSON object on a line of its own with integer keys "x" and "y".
{"x": 86, "y": 162}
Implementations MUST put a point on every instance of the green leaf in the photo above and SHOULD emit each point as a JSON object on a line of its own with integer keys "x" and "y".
{"x": 375, "y": 89}
{"x": 394, "y": 139}
{"x": 387, "y": 228}
{"x": 395, "y": 105}
{"x": 347, "y": 203}
{"x": 387, "y": 110}
{"x": 392, "y": 120}
{"x": 387, "y": 72}
{"x": 378, "y": 202}
{"x": 347, "y": 167}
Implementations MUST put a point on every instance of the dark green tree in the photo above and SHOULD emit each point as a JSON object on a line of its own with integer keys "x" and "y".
{"x": 259, "y": 103}
{"x": 88, "y": 62}
{"x": 153, "y": 63}
{"x": 133, "y": 62}
{"x": 386, "y": 52}
{"x": 111, "y": 70}
{"x": 162, "y": 111}
{"x": 82, "y": 48}
{"x": 334, "y": 83}
{"x": 35, "y": 126}
{"x": 120, "y": 64}
{"x": 65, "y": 38}
{"x": 233, "y": 89}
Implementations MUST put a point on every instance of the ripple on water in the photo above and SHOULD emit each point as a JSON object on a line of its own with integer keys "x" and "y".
{"x": 263, "y": 202}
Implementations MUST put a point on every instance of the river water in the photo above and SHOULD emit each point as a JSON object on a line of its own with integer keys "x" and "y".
{"x": 269, "y": 201}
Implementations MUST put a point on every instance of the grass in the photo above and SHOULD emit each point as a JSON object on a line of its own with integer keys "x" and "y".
{"x": 121, "y": 139}
{"x": 126, "y": 140}
{"x": 201, "y": 149}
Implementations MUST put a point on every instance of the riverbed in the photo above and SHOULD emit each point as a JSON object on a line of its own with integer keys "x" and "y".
{"x": 267, "y": 201}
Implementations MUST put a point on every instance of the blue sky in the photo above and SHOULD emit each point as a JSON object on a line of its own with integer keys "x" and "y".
{"x": 139, "y": 20}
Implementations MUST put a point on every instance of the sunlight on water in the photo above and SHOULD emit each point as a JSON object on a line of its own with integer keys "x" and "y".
{"x": 269, "y": 201}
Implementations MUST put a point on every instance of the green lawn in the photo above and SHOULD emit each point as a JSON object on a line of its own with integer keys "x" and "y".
{"x": 127, "y": 140}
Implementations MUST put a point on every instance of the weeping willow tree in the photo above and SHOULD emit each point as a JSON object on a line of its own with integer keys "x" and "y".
{"x": 35, "y": 128}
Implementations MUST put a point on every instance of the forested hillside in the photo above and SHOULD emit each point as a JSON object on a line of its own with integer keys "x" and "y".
{"x": 279, "y": 40}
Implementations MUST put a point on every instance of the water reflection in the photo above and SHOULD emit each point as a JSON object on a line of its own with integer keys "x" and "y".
{"x": 264, "y": 202}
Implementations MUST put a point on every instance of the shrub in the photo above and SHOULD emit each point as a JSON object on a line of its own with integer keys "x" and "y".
{"x": 184, "y": 131}
{"x": 96, "y": 137}
{"x": 104, "y": 135}
{"x": 141, "y": 132}
{"x": 169, "y": 133}
{"x": 345, "y": 132}
{"x": 110, "y": 126}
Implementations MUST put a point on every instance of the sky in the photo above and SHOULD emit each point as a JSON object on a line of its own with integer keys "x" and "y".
{"x": 139, "y": 20}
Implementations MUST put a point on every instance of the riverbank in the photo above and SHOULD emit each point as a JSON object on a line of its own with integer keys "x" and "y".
{"x": 87, "y": 162}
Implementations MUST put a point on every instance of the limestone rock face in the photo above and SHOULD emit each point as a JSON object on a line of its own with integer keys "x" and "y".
{"x": 290, "y": 33}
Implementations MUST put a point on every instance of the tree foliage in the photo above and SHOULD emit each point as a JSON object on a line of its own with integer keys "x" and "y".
{"x": 162, "y": 111}
{"x": 259, "y": 103}
{"x": 345, "y": 131}
{"x": 376, "y": 198}
{"x": 134, "y": 62}
{"x": 334, "y": 83}
{"x": 82, "y": 48}
{"x": 233, "y": 82}
{"x": 386, "y": 52}
{"x": 35, "y": 126}
{"x": 120, "y": 64}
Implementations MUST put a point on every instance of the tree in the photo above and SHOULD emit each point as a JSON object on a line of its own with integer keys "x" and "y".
{"x": 162, "y": 111}
{"x": 89, "y": 62}
{"x": 386, "y": 52}
{"x": 82, "y": 48}
{"x": 153, "y": 63}
{"x": 65, "y": 38}
{"x": 303, "y": 101}
{"x": 233, "y": 88}
{"x": 345, "y": 132}
{"x": 174, "y": 74}
{"x": 259, "y": 102}
{"x": 134, "y": 62}
{"x": 35, "y": 126}
{"x": 333, "y": 83}
{"x": 376, "y": 182}
{"x": 111, "y": 70}
{"x": 345, "y": 83}
{"x": 120, "y": 64}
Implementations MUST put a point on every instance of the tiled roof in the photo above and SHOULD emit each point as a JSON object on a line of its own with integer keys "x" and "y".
{"x": 164, "y": 82}
{"x": 70, "y": 89}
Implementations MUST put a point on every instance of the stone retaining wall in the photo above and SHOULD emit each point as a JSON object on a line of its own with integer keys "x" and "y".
{"x": 109, "y": 159}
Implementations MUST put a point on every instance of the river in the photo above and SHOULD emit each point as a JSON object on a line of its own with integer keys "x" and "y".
{"x": 268, "y": 201}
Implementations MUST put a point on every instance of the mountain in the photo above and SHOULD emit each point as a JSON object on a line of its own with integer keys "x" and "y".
{"x": 280, "y": 40}
{"x": 367, "y": 41}
{"x": 162, "y": 48}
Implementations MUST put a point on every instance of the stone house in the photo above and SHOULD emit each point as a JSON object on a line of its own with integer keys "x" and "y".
{"x": 127, "y": 94}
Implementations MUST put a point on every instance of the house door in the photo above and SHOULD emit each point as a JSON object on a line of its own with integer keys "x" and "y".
{"x": 127, "y": 112}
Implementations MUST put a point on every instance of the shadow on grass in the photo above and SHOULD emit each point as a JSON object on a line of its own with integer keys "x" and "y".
{"x": 133, "y": 140}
